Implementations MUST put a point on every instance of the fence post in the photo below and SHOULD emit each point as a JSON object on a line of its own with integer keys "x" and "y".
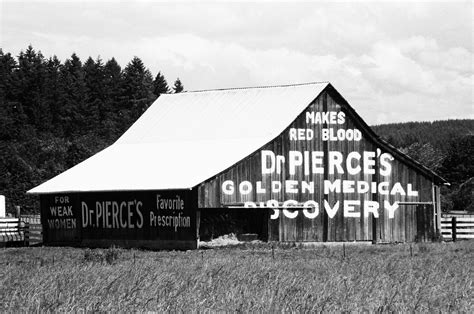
{"x": 26, "y": 233}
{"x": 453, "y": 228}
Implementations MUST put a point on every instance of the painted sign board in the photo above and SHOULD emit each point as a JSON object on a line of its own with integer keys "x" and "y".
{"x": 150, "y": 219}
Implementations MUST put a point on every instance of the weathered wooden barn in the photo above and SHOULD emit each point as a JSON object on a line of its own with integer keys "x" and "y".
{"x": 290, "y": 163}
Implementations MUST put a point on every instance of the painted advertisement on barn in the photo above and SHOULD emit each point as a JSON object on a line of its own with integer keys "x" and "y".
{"x": 327, "y": 178}
{"x": 142, "y": 218}
{"x": 312, "y": 163}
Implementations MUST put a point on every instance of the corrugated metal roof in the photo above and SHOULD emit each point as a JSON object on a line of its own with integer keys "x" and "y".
{"x": 184, "y": 139}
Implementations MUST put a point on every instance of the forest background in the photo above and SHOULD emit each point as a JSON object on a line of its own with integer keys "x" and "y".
{"x": 56, "y": 114}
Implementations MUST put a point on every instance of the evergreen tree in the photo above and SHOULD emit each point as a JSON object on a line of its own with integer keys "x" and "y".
{"x": 160, "y": 86}
{"x": 52, "y": 93}
{"x": 72, "y": 110}
{"x": 31, "y": 76}
{"x": 113, "y": 85}
{"x": 7, "y": 67}
{"x": 12, "y": 117}
{"x": 137, "y": 88}
{"x": 29, "y": 115}
{"x": 94, "y": 85}
{"x": 178, "y": 86}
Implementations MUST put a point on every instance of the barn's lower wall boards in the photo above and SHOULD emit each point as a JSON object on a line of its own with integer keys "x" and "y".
{"x": 145, "y": 219}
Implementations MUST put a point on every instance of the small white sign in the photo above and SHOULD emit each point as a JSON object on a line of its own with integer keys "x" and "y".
{"x": 2, "y": 206}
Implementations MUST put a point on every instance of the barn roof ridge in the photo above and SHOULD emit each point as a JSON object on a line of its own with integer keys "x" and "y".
{"x": 253, "y": 87}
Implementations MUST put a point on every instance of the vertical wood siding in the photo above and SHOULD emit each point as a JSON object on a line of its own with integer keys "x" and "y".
{"x": 410, "y": 222}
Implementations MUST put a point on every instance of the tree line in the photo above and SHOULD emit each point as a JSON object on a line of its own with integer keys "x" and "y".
{"x": 55, "y": 114}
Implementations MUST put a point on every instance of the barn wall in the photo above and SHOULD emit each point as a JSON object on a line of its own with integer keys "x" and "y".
{"x": 148, "y": 219}
{"x": 409, "y": 223}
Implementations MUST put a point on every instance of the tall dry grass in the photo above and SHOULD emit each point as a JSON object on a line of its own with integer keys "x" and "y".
{"x": 434, "y": 277}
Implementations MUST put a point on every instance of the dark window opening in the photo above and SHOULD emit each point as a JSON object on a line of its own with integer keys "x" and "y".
{"x": 217, "y": 222}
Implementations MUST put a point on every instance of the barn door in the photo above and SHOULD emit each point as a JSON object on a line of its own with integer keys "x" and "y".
{"x": 424, "y": 222}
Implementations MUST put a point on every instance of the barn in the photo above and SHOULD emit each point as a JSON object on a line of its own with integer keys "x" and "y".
{"x": 292, "y": 163}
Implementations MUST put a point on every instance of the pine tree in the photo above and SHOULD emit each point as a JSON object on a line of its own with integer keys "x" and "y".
{"x": 31, "y": 76}
{"x": 7, "y": 67}
{"x": 160, "y": 86}
{"x": 11, "y": 111}
{"x": 28, "y": 115}
{"x": 178, "y": 86}
{"x": 73, "y": 94}
{"x": 52, "y": 93}
{"x": 138, "y": 84}
{"x": 113, "y": 85}
{"x": 94, "y": 86}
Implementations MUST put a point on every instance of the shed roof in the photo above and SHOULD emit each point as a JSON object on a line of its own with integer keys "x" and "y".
{"x": 184, "y": 139}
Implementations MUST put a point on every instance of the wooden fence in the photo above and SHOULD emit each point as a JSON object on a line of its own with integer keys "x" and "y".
{"x": 10, "y": 230}
{"x": 457, "y": 227}
{"x": 33, "y": 229}
{"x": 26, "y": 230}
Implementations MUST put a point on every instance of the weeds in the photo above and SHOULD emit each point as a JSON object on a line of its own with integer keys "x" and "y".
{"x": 108, "y": 256}
{"x": 433, "y": 277}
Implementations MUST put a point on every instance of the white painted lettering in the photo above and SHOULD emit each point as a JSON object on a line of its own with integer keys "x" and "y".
{"x": 349, "y": 209}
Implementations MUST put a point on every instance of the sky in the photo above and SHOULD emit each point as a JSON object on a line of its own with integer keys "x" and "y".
{"x": 392, "y": 61}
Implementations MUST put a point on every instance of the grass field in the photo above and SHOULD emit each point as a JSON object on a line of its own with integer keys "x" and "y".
{"x": 428, "y": 277}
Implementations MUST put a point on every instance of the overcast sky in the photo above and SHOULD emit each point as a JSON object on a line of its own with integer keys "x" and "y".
{"x": 393, "y": 62}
